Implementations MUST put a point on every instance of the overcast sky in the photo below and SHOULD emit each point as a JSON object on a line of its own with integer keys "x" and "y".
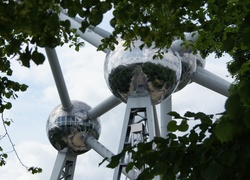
{"x": 83, "y": 73}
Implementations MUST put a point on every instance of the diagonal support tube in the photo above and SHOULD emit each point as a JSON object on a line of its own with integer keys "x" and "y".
{"x": 96, "y": 29}
{"x": 103, "y": 107}
{"x": 58, "y": 77}
{"x": 89, "y": 35}
{"x": 104, "y": 152}
{"x": 211, "y": 81}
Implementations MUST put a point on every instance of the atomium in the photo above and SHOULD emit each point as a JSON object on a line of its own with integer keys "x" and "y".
{"x": 133, "y": 76}
{"x": 67, "y": 129}
{"x": 132, "y": 72}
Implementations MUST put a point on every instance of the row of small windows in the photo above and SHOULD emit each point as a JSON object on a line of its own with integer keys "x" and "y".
{"x": 68, "y": 121}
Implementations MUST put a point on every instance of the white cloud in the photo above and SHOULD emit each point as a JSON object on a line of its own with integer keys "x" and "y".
{"x": 32, "y": 154}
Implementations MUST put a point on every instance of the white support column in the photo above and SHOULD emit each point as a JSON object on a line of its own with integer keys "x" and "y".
{"x": 165, "y": 108}
{"x": 64, "y": 167}
{"x": 156, "y": 121}
{"x": 135, "y": 105}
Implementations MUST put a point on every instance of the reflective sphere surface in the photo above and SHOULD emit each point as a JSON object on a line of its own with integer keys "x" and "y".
{"x": 68, "y": 128}
{"x": 132, "y": 72}
{"x": 189, "y": 63}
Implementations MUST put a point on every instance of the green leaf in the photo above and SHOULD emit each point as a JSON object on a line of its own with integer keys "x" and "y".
{"x": 66, "y": 23}
{"x": 72, "y": 12}
{"x": 84, "y": 25}
{"x": 189, "y": 114}
{"x": 106, "y": 158}
{"x": 224, "y": 131}
{"x": 35, "y": 170}
{"x": 23, "y": 87}
{"x": 114, "y": 161}
{"x": 4, "y": 155}
{"x": 8, "y": 105}
{"x": 171, "y": 136}
{"x": 37, "y": 57}
{"x": 25, "y": 59}
{"x": 169, "y": 176}
{"x": 129, "y": 166}
{"x": 228, "y": 44}
{"x": 7, "y": 123}
{"x": 176, "y": 115}
{"x": 105, "y": 6}
{"x": 244, "y": 92}
{"x": 193, "y": 136}
{"x": 172, "y": 126}
{"x": 144, "y": 146}
{"x": 227, "y": 158}
{"x": 211, "y": 171}
{"x": 247, "y": 118}
{"x": 183, "y": 127}
{"x": 233, "y": 105}
{"x": 95, "y": 17}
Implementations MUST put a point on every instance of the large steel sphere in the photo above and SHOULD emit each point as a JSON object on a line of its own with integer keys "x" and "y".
{"x": 67, "y": 129}
{"x": 134, "y": 71}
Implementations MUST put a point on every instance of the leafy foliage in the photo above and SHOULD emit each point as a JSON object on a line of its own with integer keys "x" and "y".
{"x": 199, "y": 154}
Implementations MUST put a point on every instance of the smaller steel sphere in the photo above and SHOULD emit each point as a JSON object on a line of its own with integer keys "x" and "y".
{"x": 129, "y": 72}
{"x": 67, "y": 129}
{"x": 188, "y": 63}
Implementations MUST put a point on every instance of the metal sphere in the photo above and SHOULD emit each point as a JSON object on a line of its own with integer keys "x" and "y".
{"x": 67, "y": 129}
{"x": 188, "y": 63}
{"x": 132, "y": 72}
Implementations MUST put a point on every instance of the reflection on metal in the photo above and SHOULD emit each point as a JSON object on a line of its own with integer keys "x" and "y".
{"x": 189, "y": 61}
{"x": 138, "y": 126}
{"x": 130, "y": 71}
{"x": 66, "y": 129}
